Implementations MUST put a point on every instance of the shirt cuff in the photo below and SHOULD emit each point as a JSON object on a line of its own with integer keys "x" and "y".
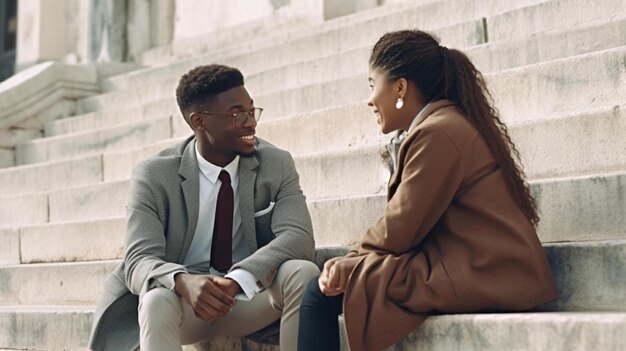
{"x": 165, "y": 281}
{"x": 248, "y": 283}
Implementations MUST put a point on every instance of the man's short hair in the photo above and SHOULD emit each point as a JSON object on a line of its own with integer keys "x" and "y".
{"x": 202, "y": 83}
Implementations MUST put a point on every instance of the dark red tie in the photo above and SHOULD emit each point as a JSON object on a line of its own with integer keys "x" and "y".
{"x": 222, "y": 245}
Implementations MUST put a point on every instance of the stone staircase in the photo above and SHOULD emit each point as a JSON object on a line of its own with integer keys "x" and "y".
{"x": 556, "y": 69}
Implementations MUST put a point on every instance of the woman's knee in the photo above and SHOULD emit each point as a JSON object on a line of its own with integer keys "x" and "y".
{"x": 312, "y": 291}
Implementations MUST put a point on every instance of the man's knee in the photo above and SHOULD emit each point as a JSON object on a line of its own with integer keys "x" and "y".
{"x": 300, "y": 271}
{"x": 292, "y": 278}
{"x": 160, "y": 303}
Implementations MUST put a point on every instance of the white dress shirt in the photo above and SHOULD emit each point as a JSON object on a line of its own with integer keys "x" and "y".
{"x": 198, "y": 259}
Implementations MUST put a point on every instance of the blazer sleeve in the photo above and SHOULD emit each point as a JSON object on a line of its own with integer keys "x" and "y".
{"x": 291, "y": 226}
{"x": 144, "y": 259}
{"x": 431, "y": 174}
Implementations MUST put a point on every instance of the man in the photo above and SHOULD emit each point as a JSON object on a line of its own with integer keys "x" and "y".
{"x": 219, "y": 237}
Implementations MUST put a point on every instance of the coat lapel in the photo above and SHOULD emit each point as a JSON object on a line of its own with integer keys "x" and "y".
{"x": 191, "y": 193}
{"x": 247, "y": 178}
{"x": 395, "y": 178}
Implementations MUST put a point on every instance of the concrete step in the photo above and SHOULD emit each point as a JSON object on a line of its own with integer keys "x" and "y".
{"x": 48, "y": 176}
{"x": 24, "y": 209}
{"x": 533, "y": 92}
{"x": 326, "y": 175}
{"x": 68, "y": 328}
{"x": 291, "y": 74}
{"x": 586, "y": 143}
{"x": 321, "y": 68}
{"x": 91, "y": 240}
{"x": 87, "y": 240}
{"x": 10, "y": 243}
{"x": 472, "y": 9}
{"x": 572, "y": 209}
{"x": 97, "y": 201}
{"x": 119, "y": 165}
{"x": 584, "y": 269}
{"x": 490, "y": 57}
{"x": 551, "y": 15}
{"x": 549, "y": 45}
{"x": 588, "y": 277}
{"x": 94, "y": 142}
{"x": 569, "y": 207}
{"x": 558, "y": 331}
{"x": 54, "y": 283}
{"x": 111, "y": 118}
{"x": 45, "y": 327}
{"x": 323, "y": 176}
{"x": 567, "y": 213}
{"x": 343, "y": 35}
{"x": 242, "y": 34}
{"x": 345, "y": 64}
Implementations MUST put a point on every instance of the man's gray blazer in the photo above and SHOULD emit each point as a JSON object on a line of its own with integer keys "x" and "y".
{"x": 162, "y": 213}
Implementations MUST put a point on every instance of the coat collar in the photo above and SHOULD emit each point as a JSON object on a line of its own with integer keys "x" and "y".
{"x": 428, "y": 111}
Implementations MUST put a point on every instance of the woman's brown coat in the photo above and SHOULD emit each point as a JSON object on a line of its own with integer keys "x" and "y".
{"x": 451, "y": 240}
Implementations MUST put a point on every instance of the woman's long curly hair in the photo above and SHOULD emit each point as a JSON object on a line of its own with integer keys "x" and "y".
{"x": 442, "y": 73}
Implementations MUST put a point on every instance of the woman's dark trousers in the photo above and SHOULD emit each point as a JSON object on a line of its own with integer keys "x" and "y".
{"x": 319, "y": 326}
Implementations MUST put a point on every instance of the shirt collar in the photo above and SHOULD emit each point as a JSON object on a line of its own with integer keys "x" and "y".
{"x": 212, "y": 171}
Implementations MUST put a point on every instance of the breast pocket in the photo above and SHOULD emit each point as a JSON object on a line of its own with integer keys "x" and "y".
{"x": 265, "y": 211}
{"x": 263, "y": 225}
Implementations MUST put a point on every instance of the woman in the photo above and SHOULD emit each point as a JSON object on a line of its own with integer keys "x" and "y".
{"x": 458, "y": 233}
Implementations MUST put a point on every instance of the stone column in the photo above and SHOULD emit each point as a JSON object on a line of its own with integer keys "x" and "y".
{"x": 161, "y": 22}
{"x": 106, "y": 39}
{"x": 150, "y": 24}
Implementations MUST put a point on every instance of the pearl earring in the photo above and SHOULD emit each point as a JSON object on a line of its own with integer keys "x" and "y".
{"x": 399, "y": 103}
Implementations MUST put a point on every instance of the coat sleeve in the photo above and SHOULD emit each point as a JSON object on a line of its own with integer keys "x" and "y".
{"x": 144, "y": 259}
{"x": 291, "y": 226}
{"x": 431, "y": 174}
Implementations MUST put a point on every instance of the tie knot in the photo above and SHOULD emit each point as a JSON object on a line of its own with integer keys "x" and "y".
{"x": 224, "y": 177}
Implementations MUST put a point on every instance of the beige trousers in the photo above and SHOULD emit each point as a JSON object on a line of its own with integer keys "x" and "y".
{"x": 166, "y": 321}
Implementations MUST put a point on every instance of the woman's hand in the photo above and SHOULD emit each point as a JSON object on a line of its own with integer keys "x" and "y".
{"x": 325, "y": 276}
{"x": 334, "y": 277}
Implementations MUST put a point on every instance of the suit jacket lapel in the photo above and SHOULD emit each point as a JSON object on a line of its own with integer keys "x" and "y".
{"x": 191, "y": 193}
{"x": 247, "y": 178}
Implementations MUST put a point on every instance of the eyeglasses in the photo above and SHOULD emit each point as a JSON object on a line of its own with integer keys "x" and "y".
{"x": 239, "y": 118}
